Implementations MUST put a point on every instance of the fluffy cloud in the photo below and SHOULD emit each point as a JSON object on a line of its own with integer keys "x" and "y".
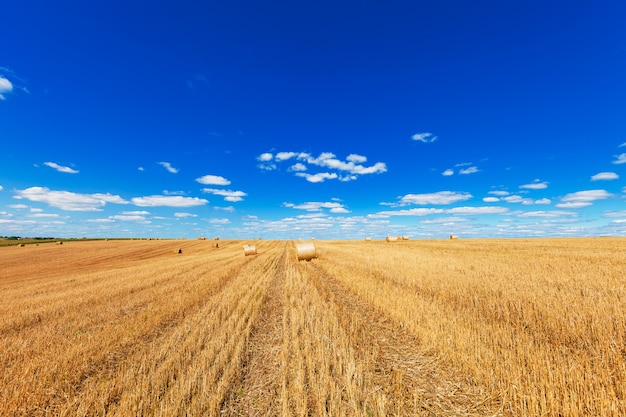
{"x": 5, "y": 87}
{"x": 430, "y": 211}
{"x": 547, "y": 214}
{"x": 491, "y": 199}
{"x": 347, "y": 170}
{"x": 448, "y": 172}
{"x": 424, "y": 137}
{"x": 468, "y": 170}
{"x": 535, "y": 185}
{"x": 605, "y": 176}
{"x": 169, "y": 167}
{"x": 168, "y": 201}
{"x": 213, "y": 180}
{"x": 228, "y": 195}
{"x": 620, "y": 159}
{"x": 333, "y": 207}
{"x": 128, "y": 218}
{"x": 183, "y": 215}
{"x": 61, "y": 168}
{"x": 320, "y": 177}
{"x": 441, "y": 197}
{"x": 1, "y": 188}
{"x": 582, "y": 199}
{"x": 67, "y": 200}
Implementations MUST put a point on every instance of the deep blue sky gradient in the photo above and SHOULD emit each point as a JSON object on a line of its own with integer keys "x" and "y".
{"x": 528, "y": 99}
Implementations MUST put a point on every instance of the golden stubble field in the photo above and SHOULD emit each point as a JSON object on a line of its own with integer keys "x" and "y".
{"x": 408, "y": 328}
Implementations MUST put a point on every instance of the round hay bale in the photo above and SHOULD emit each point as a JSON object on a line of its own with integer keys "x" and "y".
{"x": 453, "y": 237}
{"x": 392, "y": 238}
{"x": 59, "y": 243}
{"x": 405, "y": 238}
{"x": 180, "y": 251}
{"x": 216, "y": 238}
{"x": 368, "y": 239}
{"x": 249, "y": 250}
{"x": 22, "y": 245}
{"x": 215, "y": 245}
{"x": 306, "y": 251}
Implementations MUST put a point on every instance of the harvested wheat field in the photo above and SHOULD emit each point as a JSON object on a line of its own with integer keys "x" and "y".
{"x": 406, "y": 328}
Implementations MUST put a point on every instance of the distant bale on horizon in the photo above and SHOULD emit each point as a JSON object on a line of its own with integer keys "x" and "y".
{"x": 391, "y": 238}
{"x": 453, "y": 237}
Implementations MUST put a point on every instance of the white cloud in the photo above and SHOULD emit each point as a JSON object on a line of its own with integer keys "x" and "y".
{"x": 213, "y": 180}
{"x": 232, "y": 196}
{"x": 440, "y": 197}
{"x": 347, "y": 170}
{"x": 18, "y": 206}
{"x": 127, "y": 218}
{"x": 447, "y": 172}
{"x": 621, "y": 213}
{"x": 140, "y": 169}
{"x": 547, "y": 214}
{"x": 491, "y": 199}
{"x": 299, "y": 167}
{"x": 622, "y": 145}
{"x": 605, "y": 176}
{"x": 168, "y": 201}
{"x": 219, "y": 221}
{"x": 407, "y": 212}
{"x": 283, "y": 156}
{"x": 478, "y": 210}
{"x": 582, "y": 199}
{"x": 183, "y": 215}
{"x": 67, "y": 200}
{"x": 319, "y": 177}
{"x": 424, "y": 137}
{"x": 169, "y": 167}
{"x": 499, "y": 193}
{"x": 535, "y": 185}
{"x": 136, "y": 213}
{"x": 359, "y": 159}
{"x": 334, "y": 207}
{"x": 620, "y": 159}
{"x": 543, "y": 201}
{"x": 5, "y": 87}
{"x": 61, "y": 168}
{"x": 470, "y": 170}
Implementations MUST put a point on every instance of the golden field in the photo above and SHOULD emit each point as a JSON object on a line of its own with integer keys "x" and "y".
{"x": 410, "y": 328}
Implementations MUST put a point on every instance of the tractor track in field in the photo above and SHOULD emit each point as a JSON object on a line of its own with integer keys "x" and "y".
{"x": 256, "y": 391}
{"x": 408, "y": 373}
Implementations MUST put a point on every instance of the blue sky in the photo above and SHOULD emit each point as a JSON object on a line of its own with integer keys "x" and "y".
{"x": 327, "y": 119}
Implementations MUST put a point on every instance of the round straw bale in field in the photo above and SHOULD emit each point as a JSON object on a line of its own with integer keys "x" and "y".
{"x": 405, "y": 238}
{"x": 453, "y": 237}
{"x": 202, "y": 238}
{"x": 249, "y": 250}
{"x": 22, "y": 245}
{"x": 180, "y": 251}
{"x": 306, "y": 251}
{"x": 59, "y": 243}
{"x": 392, "y": 238}
{"x": 368, "y": 239}
{"x": 216, "y": 238}
{"x": 215, "y": 245}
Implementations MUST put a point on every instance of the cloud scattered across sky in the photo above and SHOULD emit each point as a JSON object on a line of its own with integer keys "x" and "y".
{"x": 168, "y": 201}
{"x": 213, "y": 180}
{"x": 464, "y": 168}
{"x": 535, "y": 185}
{"x": 314, "y": 206}
{"x": 168, "y": 166}
{"x": 232, "y": 196}
{"x": 620, "y": 159}
{"x": 582, "y": 199}
{"x": 61, "y": 168}
{"x": 6, "y": 86}
{"x": 440, "y": 197}
{"x": 66, "y": 200}
{"x": 344, "y": 170}
{"x": 605, "y": 176}
{"x": 425, "y": 137}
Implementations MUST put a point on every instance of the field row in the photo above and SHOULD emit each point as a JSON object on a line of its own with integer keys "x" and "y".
{"x": 432, "y": 328}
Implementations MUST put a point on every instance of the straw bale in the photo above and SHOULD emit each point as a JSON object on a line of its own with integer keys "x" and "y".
{"x": 249, "y": 250}
{"x": 453, "y": 237}
{"x": 392, "y": 238}
{"x": 306, "y": 251}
